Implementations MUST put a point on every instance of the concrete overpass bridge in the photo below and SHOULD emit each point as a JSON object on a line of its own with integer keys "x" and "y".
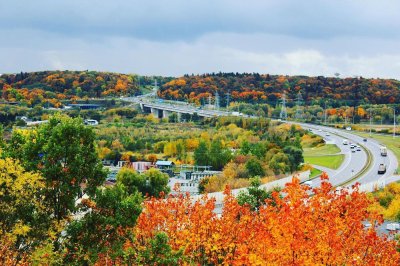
{"x": 163, "y": 110}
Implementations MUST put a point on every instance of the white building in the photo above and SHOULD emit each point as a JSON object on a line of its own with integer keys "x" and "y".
{"x": 189, "y": 181}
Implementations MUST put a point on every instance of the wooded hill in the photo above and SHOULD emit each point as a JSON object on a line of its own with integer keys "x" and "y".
{"x": 54, "y": 86}
{"x": 265, "y": 88}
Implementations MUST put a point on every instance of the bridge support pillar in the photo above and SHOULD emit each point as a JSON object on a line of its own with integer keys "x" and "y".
{"x": 179, "y": 117}
{"x": 154, "y": 111}
{"x": 165, "y": 114}
{"x": 141, "y": 107}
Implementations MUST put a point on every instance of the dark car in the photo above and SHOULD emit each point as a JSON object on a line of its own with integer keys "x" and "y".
{"x": 365, "y": 140}
{"x": 381, "y": 169}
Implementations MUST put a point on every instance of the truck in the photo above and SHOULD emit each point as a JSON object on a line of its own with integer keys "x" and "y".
{"x": 345, "y": 142}
{"x": 393, "y": 226}
{"x": 383, "y": 151}
{"x": 381, "y": 169}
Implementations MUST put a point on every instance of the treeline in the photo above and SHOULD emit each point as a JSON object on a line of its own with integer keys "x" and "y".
{"x": 265, "y": 88}
{"x": 52, "y": 87}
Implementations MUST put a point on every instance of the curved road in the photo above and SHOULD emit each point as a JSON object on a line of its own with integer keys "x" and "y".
{"x": 354, "y": 162}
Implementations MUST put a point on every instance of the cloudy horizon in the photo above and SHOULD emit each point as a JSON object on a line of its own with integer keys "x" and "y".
{"x": 173, "y": 38}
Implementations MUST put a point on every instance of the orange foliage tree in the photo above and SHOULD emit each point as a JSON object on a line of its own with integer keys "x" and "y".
{"x": 294, "y": 228}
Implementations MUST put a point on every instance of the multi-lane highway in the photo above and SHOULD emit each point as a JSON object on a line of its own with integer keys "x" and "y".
{"x": 361, "y": 164}
{"x": 355, "y": 162}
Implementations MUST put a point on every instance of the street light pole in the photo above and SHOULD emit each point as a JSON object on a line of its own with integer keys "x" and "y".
{"x": 394, "y": 122}
{"x": 370, "y": 122}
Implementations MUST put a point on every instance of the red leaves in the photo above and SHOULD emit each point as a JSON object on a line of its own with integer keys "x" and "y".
{"x": 299, "y": 229}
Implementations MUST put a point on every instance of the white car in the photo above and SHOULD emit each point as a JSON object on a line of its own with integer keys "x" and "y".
{"x": 308, "y": 183}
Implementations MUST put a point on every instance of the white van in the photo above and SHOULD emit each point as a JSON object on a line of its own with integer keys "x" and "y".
{"x": 91, "y": 122}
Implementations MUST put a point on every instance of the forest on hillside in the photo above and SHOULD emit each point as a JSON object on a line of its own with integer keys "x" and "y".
{"x": 53, "y": 87}
{"x": 265, "y": 88}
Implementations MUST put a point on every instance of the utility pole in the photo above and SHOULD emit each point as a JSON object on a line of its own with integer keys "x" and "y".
{"x": 394, "y": 122}
{"x": 299, "y": 109}
{"x": 370, "y": 122}
{"x": 283, "y": 114}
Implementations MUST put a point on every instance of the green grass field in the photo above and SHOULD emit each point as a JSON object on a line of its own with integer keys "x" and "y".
{"x": 330, "y": 161}
{"x": 315, "y": 173}
{"x": 328, "y": 149}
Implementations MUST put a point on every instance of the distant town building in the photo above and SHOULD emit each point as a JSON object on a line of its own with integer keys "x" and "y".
{"x": 165, "y": 165}
{"x": 189, "y": 181}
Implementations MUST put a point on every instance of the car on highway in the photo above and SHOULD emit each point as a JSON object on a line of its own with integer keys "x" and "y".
{"x": 353, "y": 150}
{"x": 345, "y": 142}
{"x": 358, "y": 148}
{"x": 383, "y": 151}
{"x": 327, "y": 134}
{"x": 308, "y": 183}
{"x": 365, "y": 140}
{"x": 381, "y": 169}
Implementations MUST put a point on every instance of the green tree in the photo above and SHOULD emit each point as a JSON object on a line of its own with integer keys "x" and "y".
{"x": 254, "y": 167}
{"x": 219, "y": 156}
{"x": 201, "y": 154}
{"x": 105, "y": 227}
{"x": 295, "y": 156}
{"x": 156, "y": 183}
{"x": 150, "y": 183}
{"x": 63, "y": 151}
{"x": 255, "y": 196}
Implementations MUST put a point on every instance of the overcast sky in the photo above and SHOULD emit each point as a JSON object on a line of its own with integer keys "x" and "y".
{"x": 175, "y": 37}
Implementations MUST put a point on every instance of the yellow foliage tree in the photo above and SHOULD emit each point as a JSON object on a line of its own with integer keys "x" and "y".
{"x": 21, "y": 208}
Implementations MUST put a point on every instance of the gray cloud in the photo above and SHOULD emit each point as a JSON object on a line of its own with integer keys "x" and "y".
{"x": 314, "y": 37}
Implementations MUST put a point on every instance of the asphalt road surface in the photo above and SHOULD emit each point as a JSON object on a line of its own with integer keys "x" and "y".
{"x": 354, "y": 162}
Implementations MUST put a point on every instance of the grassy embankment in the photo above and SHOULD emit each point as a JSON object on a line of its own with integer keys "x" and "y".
{"x": 325, "y": 156}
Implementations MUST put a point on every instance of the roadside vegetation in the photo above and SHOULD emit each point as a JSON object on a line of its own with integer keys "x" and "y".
{"x": 388, "y": 202}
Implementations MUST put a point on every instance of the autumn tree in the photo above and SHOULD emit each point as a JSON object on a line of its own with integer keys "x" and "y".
{"x": 24, "y": 220}
{"x": 293, "y": 228}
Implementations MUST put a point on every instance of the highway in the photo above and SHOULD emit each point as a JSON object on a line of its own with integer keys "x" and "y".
{"x": 353, "y": 164}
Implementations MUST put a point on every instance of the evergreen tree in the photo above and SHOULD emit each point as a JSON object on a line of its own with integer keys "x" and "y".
{"x": 201, "y": 154}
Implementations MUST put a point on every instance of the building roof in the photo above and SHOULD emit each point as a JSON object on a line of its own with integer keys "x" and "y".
{"x": 164, "y": 163}
{"x": 84, "y": 104}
